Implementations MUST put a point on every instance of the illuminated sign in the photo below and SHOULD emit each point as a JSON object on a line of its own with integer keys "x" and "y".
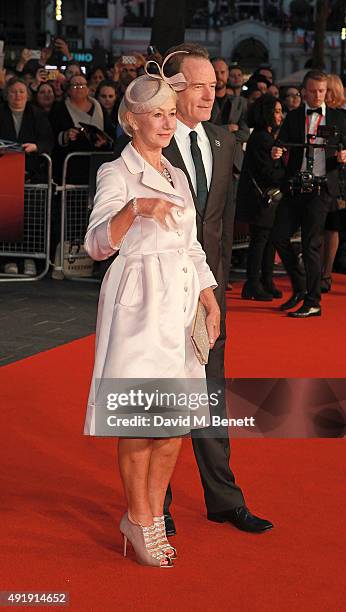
{"x": 58, "y": 10}
{"x": 81, "y": 56}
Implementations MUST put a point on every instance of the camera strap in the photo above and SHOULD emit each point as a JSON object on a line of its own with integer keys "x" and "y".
{"x": 260, "y": 191}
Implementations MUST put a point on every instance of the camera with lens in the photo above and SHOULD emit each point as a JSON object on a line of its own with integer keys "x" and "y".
{"x": 306, "y": 181}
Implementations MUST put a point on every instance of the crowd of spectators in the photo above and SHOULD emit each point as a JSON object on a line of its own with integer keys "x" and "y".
{"x": 67, "y": 108}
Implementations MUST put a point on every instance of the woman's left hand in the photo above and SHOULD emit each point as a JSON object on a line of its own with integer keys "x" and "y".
{"x": 213, "y": 314}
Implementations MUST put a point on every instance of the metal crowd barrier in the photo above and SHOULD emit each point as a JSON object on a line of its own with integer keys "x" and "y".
{"x": 76, "y": 205}
{"x": 241, "y": 240}
{"x": 37, "y": 222}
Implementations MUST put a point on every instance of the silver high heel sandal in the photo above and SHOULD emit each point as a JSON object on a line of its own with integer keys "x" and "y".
{"x": 145, "y": 543}
{"x": 167, "y": 549}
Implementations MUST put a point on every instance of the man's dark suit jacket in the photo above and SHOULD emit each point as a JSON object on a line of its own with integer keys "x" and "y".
{"x": 293, "y": 131}
{"x": 214, "y": 229}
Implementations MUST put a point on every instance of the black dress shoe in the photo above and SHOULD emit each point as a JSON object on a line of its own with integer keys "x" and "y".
{"x": 293, "y": 301}
{"x": 255, "y": 292}
{"x": 169, "y": 524}
{"x": 306, "y": 311}
{"x": 242, "y": 519}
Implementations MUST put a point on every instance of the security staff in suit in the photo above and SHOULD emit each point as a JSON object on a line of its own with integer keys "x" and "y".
{"x": 231, "y": 113}
{"x": 307, "y": 210}
{"x": 205, "y": 152}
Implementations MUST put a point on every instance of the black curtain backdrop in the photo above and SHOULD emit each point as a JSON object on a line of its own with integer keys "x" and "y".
{"x": 168, "y": 24}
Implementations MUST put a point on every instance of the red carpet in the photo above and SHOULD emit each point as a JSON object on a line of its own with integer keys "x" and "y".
{"x": 266, "y": 343}
{"x": 62, "y": 499}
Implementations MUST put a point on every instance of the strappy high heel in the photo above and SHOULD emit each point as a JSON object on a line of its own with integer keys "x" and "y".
{"x": 145, "y": 543}
{"x": 167, "y": 549}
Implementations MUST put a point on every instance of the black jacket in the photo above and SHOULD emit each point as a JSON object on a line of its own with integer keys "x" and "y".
{"x": 61, "y": 121}
{"x": 258, "y": 164}
{"x": 293, "y": 131}
{"x": 35, "y": 128}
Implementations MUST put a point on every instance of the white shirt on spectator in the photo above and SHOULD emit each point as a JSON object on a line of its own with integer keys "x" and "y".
{"x": 319, "y": 154}
{"x": 182, "y": 136}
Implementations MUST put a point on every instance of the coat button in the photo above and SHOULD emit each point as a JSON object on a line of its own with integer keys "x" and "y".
{"x": 186, "y": 289}
{"x": 185, "y": 269}
{"x": 180, "y": 251}
{"x": 180, "y": 213}
{"x": 180, "y": 232}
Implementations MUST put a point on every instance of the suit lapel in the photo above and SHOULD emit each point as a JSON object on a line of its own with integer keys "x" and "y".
{"x": 216, "y": 149}
{"x": 301, "y": 123}
{"x": 173, "y": 154}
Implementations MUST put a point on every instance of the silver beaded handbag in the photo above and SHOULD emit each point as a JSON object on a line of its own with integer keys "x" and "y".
{"x": 199, "y": 335}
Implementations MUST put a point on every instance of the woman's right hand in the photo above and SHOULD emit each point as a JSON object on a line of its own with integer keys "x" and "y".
{"x": 277, "y": 152}
{"x": 158, "y": 209}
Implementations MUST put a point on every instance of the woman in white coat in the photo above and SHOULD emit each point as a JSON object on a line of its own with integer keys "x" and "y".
{"x": 143, "y": 209}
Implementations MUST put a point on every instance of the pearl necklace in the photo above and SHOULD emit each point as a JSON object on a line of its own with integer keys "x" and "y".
{"x": 166, "y": 174}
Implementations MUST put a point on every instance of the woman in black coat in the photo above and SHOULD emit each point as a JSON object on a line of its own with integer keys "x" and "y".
{"x": 22, "y": 122}
{"x": 265, "y": 116}
{"x": 65, "y": 119}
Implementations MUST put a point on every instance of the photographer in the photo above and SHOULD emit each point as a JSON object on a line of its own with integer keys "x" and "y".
{"x": 313, "y": 195}
{"x": 260, "y": 173}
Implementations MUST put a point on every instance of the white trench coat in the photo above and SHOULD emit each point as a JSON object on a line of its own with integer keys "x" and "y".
{"x": 149, "y": 294}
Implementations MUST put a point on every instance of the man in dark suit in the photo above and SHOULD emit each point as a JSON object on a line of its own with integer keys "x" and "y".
{"x": 231, "y": 113}
{"x": 308, "y": 210}
{"x": 205, "y": 152}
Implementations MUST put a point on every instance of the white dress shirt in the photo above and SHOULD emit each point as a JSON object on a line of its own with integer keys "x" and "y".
{"x": 182, "y": 136}
{"x": 319, "y": 154}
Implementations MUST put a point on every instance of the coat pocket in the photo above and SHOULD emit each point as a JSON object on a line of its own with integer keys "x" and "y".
{"x": 130, "y": 292}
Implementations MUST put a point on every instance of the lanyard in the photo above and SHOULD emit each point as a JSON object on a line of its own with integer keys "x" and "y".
{"x": 307, "y": 123}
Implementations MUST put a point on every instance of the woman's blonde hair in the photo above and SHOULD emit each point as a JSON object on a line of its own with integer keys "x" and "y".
{"x": 143, "y": 95}
{"x": 335, "y": 89}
